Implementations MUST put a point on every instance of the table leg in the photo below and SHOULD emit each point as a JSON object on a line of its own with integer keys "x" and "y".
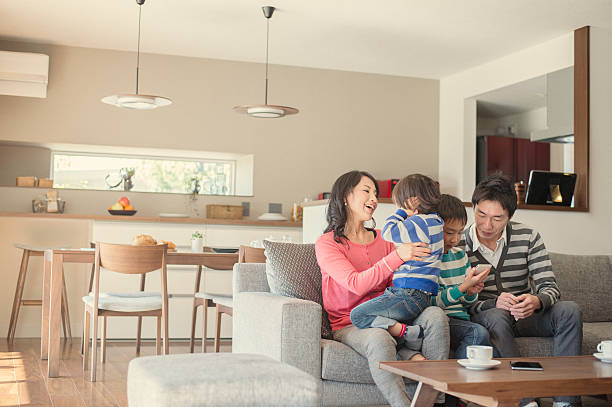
{"x": 44, "y": 329}
{"x": 55, "y": 314}
{"x": 508, "y": 403}
{"x": 424, "y": 396}
{"x": 609, "y": 400}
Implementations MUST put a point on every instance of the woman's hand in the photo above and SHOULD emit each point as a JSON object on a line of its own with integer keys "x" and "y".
{"x": 418, "y": 251}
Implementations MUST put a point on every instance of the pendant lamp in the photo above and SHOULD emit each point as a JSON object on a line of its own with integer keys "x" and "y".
{"x": 266, "y": 111}
{"x": 137, "y": 101}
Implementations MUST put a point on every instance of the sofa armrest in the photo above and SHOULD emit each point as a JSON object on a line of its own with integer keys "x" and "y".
{"x": 249, "y": 277}
{"x": 286, "y": 329}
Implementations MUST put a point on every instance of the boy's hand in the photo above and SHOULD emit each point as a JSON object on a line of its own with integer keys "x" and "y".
{"x": 527, "y": 304}
{"x": 472, "y": 281}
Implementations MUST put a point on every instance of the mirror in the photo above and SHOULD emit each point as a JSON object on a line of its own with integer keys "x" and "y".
{"x": 71, "y": 166}
{"x": 526, "y": 126}
{"x": 554, "y": 109}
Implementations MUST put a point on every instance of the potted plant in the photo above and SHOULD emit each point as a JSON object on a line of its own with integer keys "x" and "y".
{"x": 197, "y": 241}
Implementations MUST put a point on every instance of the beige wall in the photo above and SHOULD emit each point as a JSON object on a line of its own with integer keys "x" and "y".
{"x": 581, "y": 233}
{"x": 18, "y": 160}
{"x": 385, "y": 124}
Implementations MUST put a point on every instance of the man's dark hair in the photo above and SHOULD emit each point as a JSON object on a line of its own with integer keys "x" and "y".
{"x": 417, "y": 186}
{"x": 496, "y": 187}
{"x": 451, "y": 208}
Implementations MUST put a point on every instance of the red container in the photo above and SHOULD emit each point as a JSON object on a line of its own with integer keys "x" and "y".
{"x": 385, "y": 187}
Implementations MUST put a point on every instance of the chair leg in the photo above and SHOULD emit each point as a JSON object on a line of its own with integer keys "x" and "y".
{"x": 204, "y": 323}
{"x": 194, "y": 314}
{"x": 166, "y": 338}
{"x": 86, "y": 331}
{"x": 158, "y": 337}
{"x": 94, "y": 347}
{"x": 66, "y": 311}
{"x": 217, "y": 329}
{"x": 138, "y": 333}
{"x": 23, "y": 269}
{"x": 103, "y": 344}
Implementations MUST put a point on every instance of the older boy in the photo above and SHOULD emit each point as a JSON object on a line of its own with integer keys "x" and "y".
{"x": 459, "y": 286}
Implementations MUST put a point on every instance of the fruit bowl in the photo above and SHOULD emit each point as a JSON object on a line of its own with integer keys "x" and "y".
{"x": 121, "y": 213}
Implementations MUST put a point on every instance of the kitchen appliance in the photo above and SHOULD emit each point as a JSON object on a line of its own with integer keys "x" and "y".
{"x": 385, "y": 187}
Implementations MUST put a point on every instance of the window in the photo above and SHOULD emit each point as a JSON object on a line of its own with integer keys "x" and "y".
{"x": 147, "y": 174}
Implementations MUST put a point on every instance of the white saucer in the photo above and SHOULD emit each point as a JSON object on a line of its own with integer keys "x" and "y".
{"x": 173, "y": 215}
{"x": 600, "y": 356}
{"x": 473, "y": 365}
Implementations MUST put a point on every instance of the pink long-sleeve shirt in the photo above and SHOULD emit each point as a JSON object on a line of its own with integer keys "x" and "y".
{"x": 353, "y": 273}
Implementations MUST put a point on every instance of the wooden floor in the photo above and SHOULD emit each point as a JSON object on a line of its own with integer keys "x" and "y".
{"x": 22, "y": 382}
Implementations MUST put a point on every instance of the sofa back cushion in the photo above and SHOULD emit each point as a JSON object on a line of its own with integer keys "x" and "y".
{"x": 293, "y": 271}
{"x": 585, "y": 279}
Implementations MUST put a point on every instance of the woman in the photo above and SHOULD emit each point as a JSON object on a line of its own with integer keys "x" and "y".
{"x": 357, "y": 265}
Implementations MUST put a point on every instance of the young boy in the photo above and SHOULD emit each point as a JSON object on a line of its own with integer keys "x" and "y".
{"x": 414, "y": 282}
{"x": 459, "y": 285}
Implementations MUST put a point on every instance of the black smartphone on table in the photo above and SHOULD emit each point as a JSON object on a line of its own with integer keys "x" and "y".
{"x": 525, "y": 365}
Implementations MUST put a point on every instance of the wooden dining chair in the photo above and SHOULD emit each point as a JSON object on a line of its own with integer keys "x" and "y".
{"x": 125, "y": 259}
{"x": 221, "y": 303}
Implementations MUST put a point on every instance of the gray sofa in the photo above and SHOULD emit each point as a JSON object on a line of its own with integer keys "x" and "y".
{"x": 288, "y": 329}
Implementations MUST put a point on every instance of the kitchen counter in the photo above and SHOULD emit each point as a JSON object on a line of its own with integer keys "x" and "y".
{"x": 135, "y": 218}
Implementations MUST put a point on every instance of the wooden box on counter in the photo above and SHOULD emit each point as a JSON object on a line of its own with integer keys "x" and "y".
{"x": 224, "y": 211}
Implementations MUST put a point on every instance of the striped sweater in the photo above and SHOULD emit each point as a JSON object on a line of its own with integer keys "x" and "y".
{"x": 524, "y": 260}
{"x": 453, "y": 269}
{"x": 421, "y": 275}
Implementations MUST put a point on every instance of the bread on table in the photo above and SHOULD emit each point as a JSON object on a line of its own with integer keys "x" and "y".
{"x": 171, "y": 245}
{"x": 144, "y": 240}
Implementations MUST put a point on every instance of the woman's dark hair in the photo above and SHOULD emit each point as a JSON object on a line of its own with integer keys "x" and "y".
{"x": 336, "y": 210}
{"x": 417, "y": 186}
{"x": 451, "y": 208}
{"x": 496, "y": 187}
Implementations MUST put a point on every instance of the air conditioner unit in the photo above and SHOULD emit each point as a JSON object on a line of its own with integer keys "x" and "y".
{"x": 24, "y": 74}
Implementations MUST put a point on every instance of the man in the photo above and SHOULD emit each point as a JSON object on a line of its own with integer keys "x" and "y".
{"x": 521, "y": 296}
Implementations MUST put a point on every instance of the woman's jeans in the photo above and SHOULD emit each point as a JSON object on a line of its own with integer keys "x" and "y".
{"x": 465, "y": 333}
{"x": 377, "y": 345}
{"x": 394, "y": 305}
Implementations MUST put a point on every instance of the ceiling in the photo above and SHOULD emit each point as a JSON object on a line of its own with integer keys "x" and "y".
{"x": 429, "y": 39}
{"x": 514, "y": 99}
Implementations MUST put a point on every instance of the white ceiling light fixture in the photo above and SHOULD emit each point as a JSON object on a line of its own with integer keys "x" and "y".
{"x": 266, "y": 111}
{"x": 137, "y": 101}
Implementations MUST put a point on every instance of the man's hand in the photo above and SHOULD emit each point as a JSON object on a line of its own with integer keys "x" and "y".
{"x": 527, "y": 304}
{"x": 506, "y": 301}
{"x": 473, "y": 283}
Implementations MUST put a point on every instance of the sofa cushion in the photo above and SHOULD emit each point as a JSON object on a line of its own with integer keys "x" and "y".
{"x": 593, "y": 333}
{"x": 535, "y": 346}
{"x": 587, "y": 281}
{"x": 292, "y": 271}
{"x": 341, "y": 363}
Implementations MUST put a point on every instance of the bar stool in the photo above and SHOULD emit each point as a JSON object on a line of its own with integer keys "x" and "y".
{"x": 18, "y": 302}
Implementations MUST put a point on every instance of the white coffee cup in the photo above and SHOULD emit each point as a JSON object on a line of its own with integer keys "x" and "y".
{"x": 605, "y": 347}
{"x": 480, "y": 354}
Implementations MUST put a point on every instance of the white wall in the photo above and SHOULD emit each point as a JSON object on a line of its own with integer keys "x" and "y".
{"x": 585, "y": 233}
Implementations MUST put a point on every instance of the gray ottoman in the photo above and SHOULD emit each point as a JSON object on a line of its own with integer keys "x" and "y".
{"x": 218, "y": 379}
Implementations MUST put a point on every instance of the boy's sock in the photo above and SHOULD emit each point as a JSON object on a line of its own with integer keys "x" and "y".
{"x": 413, "y": 336}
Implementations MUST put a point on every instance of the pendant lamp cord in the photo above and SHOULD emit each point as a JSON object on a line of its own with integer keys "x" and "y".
{"x": 267, "y": 41}
{"x": 138, "y": 52}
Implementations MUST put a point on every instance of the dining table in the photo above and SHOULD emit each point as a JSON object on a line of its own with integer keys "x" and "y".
{"x": 54, "y": 260}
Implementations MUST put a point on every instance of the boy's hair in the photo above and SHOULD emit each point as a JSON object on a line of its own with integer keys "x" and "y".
{"x": 419, "y": 186}
{"x": 496, "y": 187}
{"x": 451, "y": 208}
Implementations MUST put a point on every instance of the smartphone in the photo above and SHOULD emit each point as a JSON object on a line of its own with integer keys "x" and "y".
{"x": 481, "y": 268}
{"x": 525, "y": 366}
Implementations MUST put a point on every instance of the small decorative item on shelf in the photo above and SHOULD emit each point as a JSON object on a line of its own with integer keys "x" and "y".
{"x": 297, "y": 212}
{"x": 520, "y": 188}
{"x": 26, "y": 181}
{"x": 122, "y": 207}
{"x": 197, "y": 241}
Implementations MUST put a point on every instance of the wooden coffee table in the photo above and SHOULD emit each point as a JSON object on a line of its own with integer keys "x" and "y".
{"x": 501, "y": 386}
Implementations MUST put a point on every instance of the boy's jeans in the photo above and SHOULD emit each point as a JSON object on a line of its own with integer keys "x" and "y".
{"x": 465, "y": 333}
{"x": 394, "y": 305}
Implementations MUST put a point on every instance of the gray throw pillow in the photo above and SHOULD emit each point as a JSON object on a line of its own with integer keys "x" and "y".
{"x": 292, "y": 271}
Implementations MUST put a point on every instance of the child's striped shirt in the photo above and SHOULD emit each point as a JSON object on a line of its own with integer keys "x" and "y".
{"x": 421, "y": 275}
{"x": 453, "y": 269}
